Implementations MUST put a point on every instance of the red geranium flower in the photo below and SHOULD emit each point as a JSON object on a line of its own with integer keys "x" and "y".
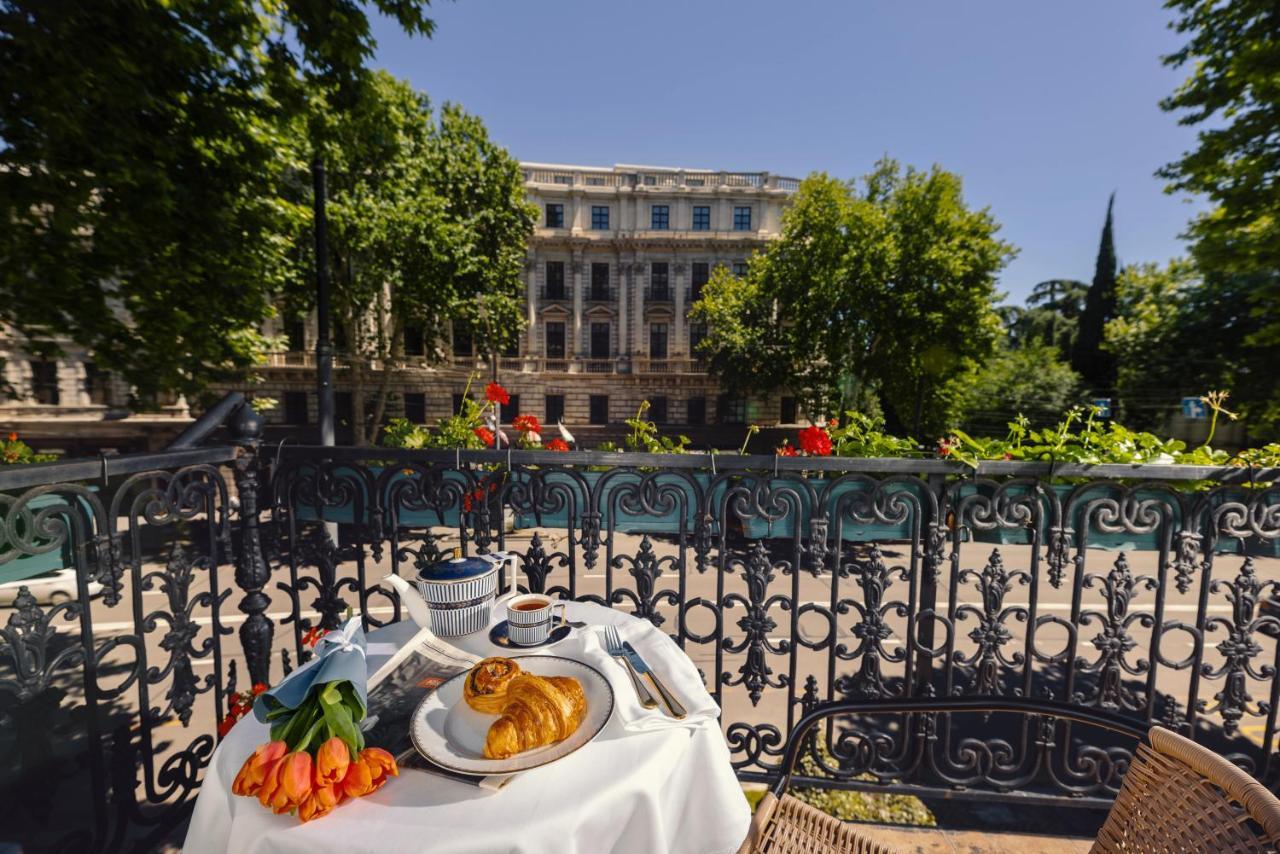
{"x": 557, "y": 445}
{"x": 815, "y": 442}
{"x": 785, "y": 450}
{"x": 13, "y": 437}
{"x": 496, "y": 394}
{"x": 527, "y": 424}
{"x": 485, "y": 435}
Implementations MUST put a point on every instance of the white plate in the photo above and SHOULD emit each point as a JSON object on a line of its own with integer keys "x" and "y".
{"x": 450, "y": 733}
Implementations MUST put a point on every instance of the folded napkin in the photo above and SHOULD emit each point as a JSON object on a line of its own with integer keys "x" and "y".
{"x": 670, "y": 664}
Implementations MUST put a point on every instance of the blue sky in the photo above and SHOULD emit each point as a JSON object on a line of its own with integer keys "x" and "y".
{"x": 1042, "y": 108}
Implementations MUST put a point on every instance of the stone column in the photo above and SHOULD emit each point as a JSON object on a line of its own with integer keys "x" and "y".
{"x": 577, "y": 350}
{"x": 531, "y": 299}
{"x": 676, "y": 347}
{"x": 624, "y": 272}
{"x": 641, "y": 279}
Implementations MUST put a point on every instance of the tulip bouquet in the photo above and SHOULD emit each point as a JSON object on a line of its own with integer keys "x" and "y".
{"x": 316, "y": 758}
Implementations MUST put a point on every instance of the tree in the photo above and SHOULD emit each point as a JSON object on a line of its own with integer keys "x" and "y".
{"x": 1231, "y": 93}
{"x": 880, "y": 287}
{"x": 1088, "y": 356}
{"x": 1032, "y": 380}
{"x": 145, "y": 153}
{"x": 427, "y": 218}
{"x": 1179, "y": 332}
{"x": 1052, "y": 314}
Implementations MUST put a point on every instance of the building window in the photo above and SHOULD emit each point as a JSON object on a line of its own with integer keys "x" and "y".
{"x": 650, "y": 180}
{"x": 96, "y": 385}
{"x": 658, "y": 410}
{"x": 415, "y": 407}
{"x": 701, "y": 218}
{"x": 600, "y": 282}
{"x": 555, "y": 280}
{"x": 600, "y": 217}
{"x": 697, "y": 333}
{"x": 296, "y": 329}
{"x": 344, "y": 409}
{"x": 511, "y": 349}
{"x": 657, "y": 340}
{"x": 787, "y": 411}
{"x": 340, "y": 337}
{"x": 554, "y": 409}
{"x": 742, "y": 219}
{"x": 701, "y": 272}
{"x": 555, "y": 216}
{"x": 457, "y": 404}
{"x": 599, "y": 409}
{"x": 462, "y": 343}
{"x": 295, "y": 408}
{"x": 697, "y": 410}
{"x": 739, "y": 268}
{"x": 659, "y": 281}
{"x": 414, "y": 341}
{"x": 660, "y": 217}
{"x": 595, "y": 181}
{"x": 600, "y": 341}
{"x": 563, "y": 179}
{"x": 555, "y": 340}
{"x": 509, "y": 410}
{"x": 44, "y": 382}
{"x": 731, "y": 410}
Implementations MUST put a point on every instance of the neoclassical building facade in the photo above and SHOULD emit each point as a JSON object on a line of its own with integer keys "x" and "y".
{"x": 618, "y": 257}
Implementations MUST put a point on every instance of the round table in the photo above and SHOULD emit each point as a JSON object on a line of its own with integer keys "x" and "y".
{"x": 669, "y": 790}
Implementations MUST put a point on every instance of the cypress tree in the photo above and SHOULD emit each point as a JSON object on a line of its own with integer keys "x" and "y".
{"x": 1097, "y": 366}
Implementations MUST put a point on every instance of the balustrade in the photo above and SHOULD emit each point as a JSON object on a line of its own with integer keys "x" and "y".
{"x": 1143, "y": 591}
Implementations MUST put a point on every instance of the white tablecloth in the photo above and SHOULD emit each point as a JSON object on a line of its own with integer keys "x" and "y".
{"x": 669, "y": 790}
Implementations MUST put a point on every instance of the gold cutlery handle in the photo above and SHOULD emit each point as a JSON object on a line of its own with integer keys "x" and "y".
{"x": 673, "y": 705}
{"x": 646, "y": 699}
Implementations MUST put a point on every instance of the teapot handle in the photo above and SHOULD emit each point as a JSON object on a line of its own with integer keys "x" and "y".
{"x": 508, "y": 558}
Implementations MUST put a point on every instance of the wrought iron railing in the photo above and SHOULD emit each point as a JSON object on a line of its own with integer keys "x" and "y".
{"x": 1140, "y": 591}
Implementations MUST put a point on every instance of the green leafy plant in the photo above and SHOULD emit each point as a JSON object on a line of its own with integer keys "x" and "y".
{"x": 15, "y": 452}
{"x": 644, "y": 435}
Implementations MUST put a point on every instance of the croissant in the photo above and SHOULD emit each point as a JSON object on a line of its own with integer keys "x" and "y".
{"x": 485, "y": 688}
{"x": 539, "y": 711}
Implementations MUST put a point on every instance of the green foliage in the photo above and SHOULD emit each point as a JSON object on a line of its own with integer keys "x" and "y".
{"x": 1088, "y": 356}
{"x": 427, "y": 221}
{"x": 644, "y": 436}
{"x": 858, "y": 806}
{"x": 886, "y": 285}
{"x": 1231, "y": 94}
{"x": 1032, "y": 379}
{"x": 1051, "y": 316}
{"x": 149, "y": 156}
{"x": 460, "y": 430}
{"x": 15, "y": 452}
{"x": 862, "y": 435}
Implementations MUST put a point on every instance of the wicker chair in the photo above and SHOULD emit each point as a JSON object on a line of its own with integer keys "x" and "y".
{"x": 1177, "y": 796}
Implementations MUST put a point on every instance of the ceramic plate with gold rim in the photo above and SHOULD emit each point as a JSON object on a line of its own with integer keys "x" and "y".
{"x": 450, "y": 733}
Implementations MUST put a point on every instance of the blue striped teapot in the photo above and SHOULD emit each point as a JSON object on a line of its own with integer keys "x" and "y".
{"x": 460, "y": 592}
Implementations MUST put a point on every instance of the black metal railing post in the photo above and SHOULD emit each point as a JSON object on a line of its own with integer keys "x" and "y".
{"x": 252, "y": 571}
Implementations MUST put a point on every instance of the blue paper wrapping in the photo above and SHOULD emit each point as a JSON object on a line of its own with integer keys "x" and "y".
{"x": 340, "y": 656}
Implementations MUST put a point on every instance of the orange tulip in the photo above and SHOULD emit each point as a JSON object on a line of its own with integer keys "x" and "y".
{"x": 271, "y": 795}
{"x": 359, "y": 779}
{"x": 295, "y": 776}
{"x": 381, "y": 766}
{"x": 320, "y": 802}
{"x": 332, "y": 760}
{"x": 255, "y": 768}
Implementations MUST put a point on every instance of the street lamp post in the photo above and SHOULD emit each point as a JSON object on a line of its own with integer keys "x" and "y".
{"x": 324, "y": 348}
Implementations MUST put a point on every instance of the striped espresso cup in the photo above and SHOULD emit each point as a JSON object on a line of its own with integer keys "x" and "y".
{"x": 530, "y": 618}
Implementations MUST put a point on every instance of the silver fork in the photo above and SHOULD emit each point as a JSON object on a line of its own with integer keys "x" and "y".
{"x": 612, "y": 642}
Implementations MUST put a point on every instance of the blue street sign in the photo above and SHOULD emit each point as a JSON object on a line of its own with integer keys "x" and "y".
{"x": 1103, "y": 405}
{"x": 1193, "y": 407}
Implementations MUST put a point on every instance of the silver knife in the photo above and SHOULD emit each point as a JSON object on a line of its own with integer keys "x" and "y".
{"x": 673, "y": 705}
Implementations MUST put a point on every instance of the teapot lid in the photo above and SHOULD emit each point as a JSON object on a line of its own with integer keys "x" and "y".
{"x": 458, "y": 568}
